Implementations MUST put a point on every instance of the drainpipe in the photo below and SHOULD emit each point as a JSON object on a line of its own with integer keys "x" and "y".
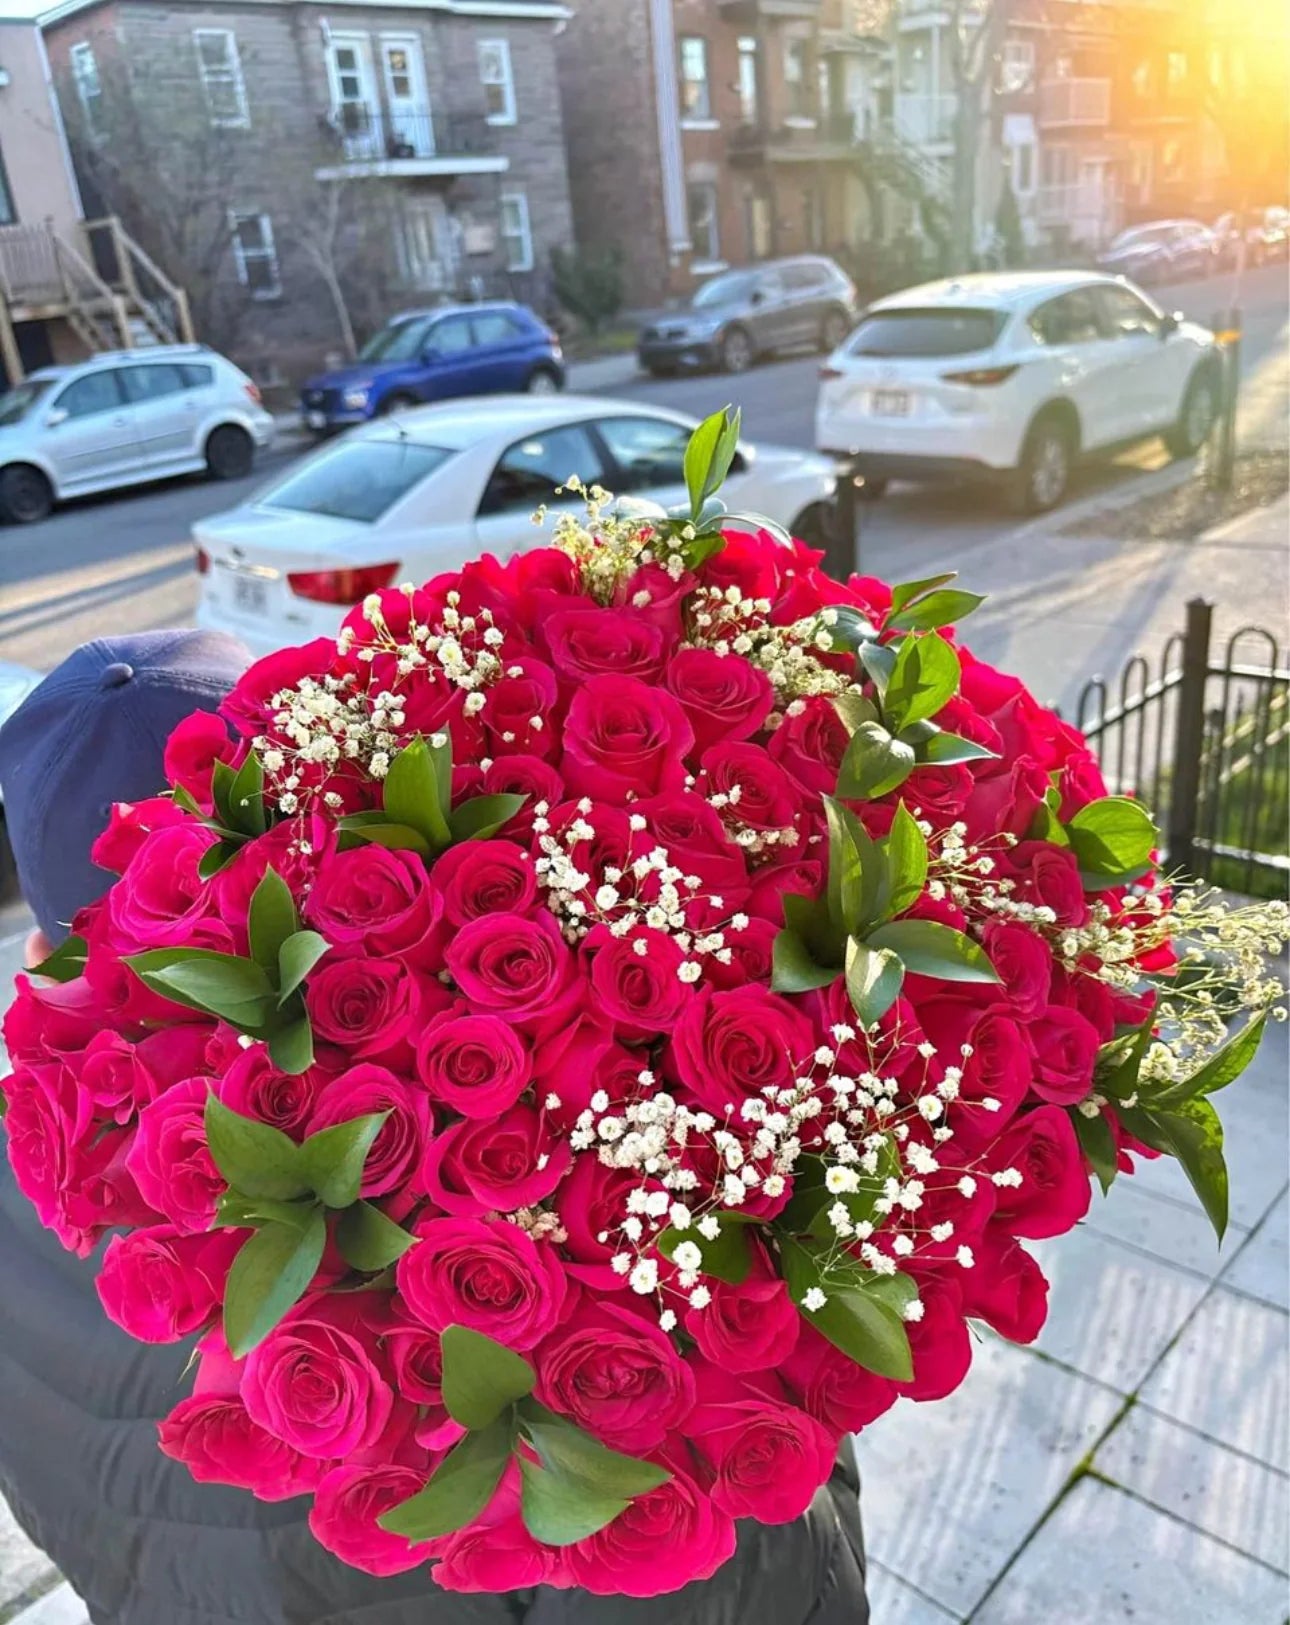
{"x": 668, "y": 109}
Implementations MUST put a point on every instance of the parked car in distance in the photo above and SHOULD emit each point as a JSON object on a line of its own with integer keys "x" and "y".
{"x": 1264, "y": 233}
{"x": 405, "y": 499}
{"x": 124, "y": 417}
{"x": 740, "y": 316}
{"x": 422, "y": 356}
{"x": 1163, "y": 251}
{"x": 1015, "y": 377}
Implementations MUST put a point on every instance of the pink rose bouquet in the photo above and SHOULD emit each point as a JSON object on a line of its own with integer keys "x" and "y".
{"x": 598, "y": 1032}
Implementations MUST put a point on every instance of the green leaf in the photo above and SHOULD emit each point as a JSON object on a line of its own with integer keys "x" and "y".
{"x": 413, "y": 794}
{"x": 1192, "y": 1133}
{"x": 853, "y": 709}
{"x": 483, "y": 816}
{"x": 333, "y": 1158}
{"x": 878, "y": 661}
{"x": 461, "y": 1487}
{"x": 808, "y": 1209}
{"x": 793, "y": 970}
{"x": 271, "y": 920}
{"x": 1113, "y": 840}
{"x": 1097, "y": 1141}
{"x": 560, "y": 1511}
{"x": 937, "y": 609}
{"x": 858, "y": 1317}
{"x": 874, "y": 763}
{"x": 369, "y": 1241}
{"x": 570, "y": 1452}
{"x": 224, "y": 985}
{"x": 708, "y": 456}
{"x": 928, "y": 948}
{"x": 249, "y": 1212}
{"x": 481, "y": 1378}
{"x": 808, "y": 919}
{"x": 945, "y": 749}
{"x": 245, "y": 801}
{"x": 376, "y": 829}
{"x": 255, "y": 1158}
{"x": 219, "y": 856}
{"x": 874, "y": 978}
{"x": 925, "y": 676}
{"x": 906, "y": 849}
{"x": 847, "y": 628}
{"x": 67, "y": 961}
{"x": 1222, "y": 1068}
{"x": 222, "y": 779}
{"x": 857, "y": 869}
{"x": 291, "y": 1047}
{"x": 727, "y": 1257}
{"x": 183, "y": 798}
{"x": 270, "y": 1275}
{"x": 905, "y": 592}
{"x": 296, "y": 958}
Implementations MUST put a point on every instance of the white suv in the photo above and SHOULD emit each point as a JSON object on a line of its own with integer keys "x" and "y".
{"x": 122, "y": 418}
{"x": 1015, "y": 376}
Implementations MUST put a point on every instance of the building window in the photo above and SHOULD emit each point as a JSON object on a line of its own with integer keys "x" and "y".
{"x": 812, "y": 222}
{"x": 255, "y": 255}
{"x": 1017, "y": 70}
{"x": 696, "y": 102}
{"x": 757, "y": 223}
{"x": 221, "y": 76}
{"x": 705, "y": 237}
{"x": 1023, "y": 168}
{"x": 517, "y": 239}
{"x": 747, "y": 81}
{"x": 89, "y": 88}
{"x": 495, "y": 76}
{"x": 797, "y": 77}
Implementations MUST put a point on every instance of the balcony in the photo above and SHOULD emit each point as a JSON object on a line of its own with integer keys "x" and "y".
{"x": 924, "y": 120}
{"x": 1072, "y": 103}
{"x": 364, "y": 141}
{"x": 799, "y": 140}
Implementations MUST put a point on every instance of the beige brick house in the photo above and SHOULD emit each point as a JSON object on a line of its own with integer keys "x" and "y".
{"x": 308, "y": 169}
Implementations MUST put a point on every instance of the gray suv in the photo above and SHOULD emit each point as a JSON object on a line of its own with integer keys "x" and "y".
{"x": 740, "y": 315}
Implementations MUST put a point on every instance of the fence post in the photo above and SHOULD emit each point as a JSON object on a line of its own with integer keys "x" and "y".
{"x": 842, "y": 555}
{"x": 1189, "y": 736}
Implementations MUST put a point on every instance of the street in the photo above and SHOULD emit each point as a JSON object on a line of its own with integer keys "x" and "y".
{"x": 124, "y": 562}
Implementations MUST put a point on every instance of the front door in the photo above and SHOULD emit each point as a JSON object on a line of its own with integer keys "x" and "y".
{"x": 90, "y": 434}
{"x": 411, "y": 133}
{"x": 355, "y": 106}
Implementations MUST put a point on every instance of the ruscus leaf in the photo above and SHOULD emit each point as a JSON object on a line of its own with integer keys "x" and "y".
{"x": 332, "y": 1159}
{"x": 460, "y": 1488}
{"x": 925, "y": 676}
{"x": 874, "y": 764}
{"x": 793, "y": 970}
{"x": 224, "y": 985}
{"x": 255, "y": 1158}
{"x": 412, "y": 794}
{"x": 928, "y": 948}
{"x": 270, "y": 1275}
{"x": 297, "y": 956}
{"x": 570, "y": 1451}
{"x": 481, "y": 1377}
{"x": 67, "y": 961}
{"x": 726, "y": 1256}
{"x": 368, "y": 1240}
{"x": 483, "y": 816}
{"x": 1098, "y": 1144}
{"x": 874, "y": 979}
{"x": 936, "y": 610}
{"x": 857, "y": 1316}
{"x": 271, "y": 920}
{"x": 560, "y": 1511}
{"x": 906, "y": 849}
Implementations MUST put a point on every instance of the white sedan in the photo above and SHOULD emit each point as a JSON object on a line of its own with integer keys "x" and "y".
{"x": 404, "y": 498}
{"x": 1016, "y": 375}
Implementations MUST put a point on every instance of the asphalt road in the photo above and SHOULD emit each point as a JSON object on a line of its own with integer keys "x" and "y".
{"x": 125, "y": 562}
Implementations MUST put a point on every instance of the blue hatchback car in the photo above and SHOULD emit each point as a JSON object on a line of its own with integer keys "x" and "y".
{"x": 433, "y": 355}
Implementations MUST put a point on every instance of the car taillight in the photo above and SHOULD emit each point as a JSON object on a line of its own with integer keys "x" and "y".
{"x": 341, "y": 586}
{"x": 980, "y": 377}
{"x": 253, "y": 390}
{"x": 202, "y": 559}
{"x": 831, "y": 372}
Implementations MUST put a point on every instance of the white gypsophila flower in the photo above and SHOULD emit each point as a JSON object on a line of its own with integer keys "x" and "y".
{"x": 814, "y": 1300}
{"x": 686, "y": 1256}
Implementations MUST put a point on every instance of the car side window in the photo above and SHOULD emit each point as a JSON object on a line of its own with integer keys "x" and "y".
{"x": 96, "y": 392}
{"x": 528, "y": 472}
{"x": 650, "y": 452}
{"x": 197, "y": 376}
{"x": 1071, "y": 319}
{"x": 495, "y": 327}
{"x": 768, "y": 288}
{"x": 804, "y": 278}
{"x": 152, "y": 383}
{"x": 1126, "y": 315}
{"x": 451, "y": 336}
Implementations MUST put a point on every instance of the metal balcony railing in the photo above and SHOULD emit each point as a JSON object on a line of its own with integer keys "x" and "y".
{"x": 381, "y": 135}
{"x": 1075, "y": 102}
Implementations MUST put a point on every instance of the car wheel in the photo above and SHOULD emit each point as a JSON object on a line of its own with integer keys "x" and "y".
{"x": 833, "y": 330}
{"x": 25, "y": 495}
{"x": 542, "y": 381}
{"x": 871, "y": 489}
{"x": 1044, "y": 472}
{"x": 230, "y": 453}
{"x": 392, "y": 405}
{"x": 736, "y": 350}
{"x": 1196, "y": 419}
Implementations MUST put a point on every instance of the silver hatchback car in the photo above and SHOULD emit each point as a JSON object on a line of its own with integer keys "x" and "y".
{"x": 122, "y": 418}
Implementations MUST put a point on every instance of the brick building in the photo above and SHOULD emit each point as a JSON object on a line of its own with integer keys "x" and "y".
{"x": 306, "y": 169}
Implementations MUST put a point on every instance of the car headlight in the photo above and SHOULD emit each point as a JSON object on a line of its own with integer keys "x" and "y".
{"x": 355, "y": 398}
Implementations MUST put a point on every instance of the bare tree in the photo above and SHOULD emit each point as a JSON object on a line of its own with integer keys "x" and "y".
{"x": 974, "y": 34}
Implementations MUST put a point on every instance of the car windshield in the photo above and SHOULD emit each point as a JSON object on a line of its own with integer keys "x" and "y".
{"x": 1144, "y": 236}
{"x": 357, "y": 479}
{"x": 926, "y": 332}
{"x": 722, "y": 290}
{"x": 18, "y": 402}
{"x": 399, "y": 341}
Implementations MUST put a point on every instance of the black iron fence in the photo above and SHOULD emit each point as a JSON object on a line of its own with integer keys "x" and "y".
{"x": 1204, "y": 739}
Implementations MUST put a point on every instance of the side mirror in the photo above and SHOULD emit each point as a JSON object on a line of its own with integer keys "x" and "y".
{"x": 55, "y": 416}
{"x": 1169, "y": 324}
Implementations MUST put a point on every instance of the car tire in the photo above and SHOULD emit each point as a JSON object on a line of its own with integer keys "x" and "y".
{"x": 1042, "y": 477}
{"x": 230, "y": 453}
{"x": 392, "y": 405}
{"x": 833, "y": 329}
{"x": 814, "y": 525}
{"x": 1196, "y": 417}
{"x": 543, "y": 381}
{"x": 26, "y": 496}
{"x": 735, "y": 351}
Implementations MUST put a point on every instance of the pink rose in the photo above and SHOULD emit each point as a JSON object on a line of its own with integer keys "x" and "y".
{"x": 617, "y": 1375}
{"x": 585, "y": 641}
{"x": 500, "y": 1557}
{"x": 1005, "y": 1287}
{"x": 514, "y": 967}
{"x": 502, "y": 1163}
{"x": 750, "y": 1327}
{"x": 366, "y": 1006}
{"x": 159, "y": 1285}
{"x": 400, "y": 1146}
{"x": 161, "y": 901}
{"x": 194, "y": 746}
{"x": 379, "y": 900}
{"x": 128, "y": 827}
{"x": 1066, "y": 1045}
{"x": 477, "y": 1065}
{"x": 485, "y": 1274}
{"x": 46, "y": 1121}
{"x": 417, "y": 1358}
{"x": 624, "y": 739}
{"x": 253, "y": 1087}
{"x": 832, "y": 1388}
{"x": 1054, "y": 1193}
{"x": 170, "y": 1161}
{"x": 1024, "y": 962}
{"x": 769, "y": 1457}
{"x": 809, "y": 745}
{"x": 729, "y": 1046}
{"x": 640, "y": 992}
{"x": 722, "y": 695}
{"x": 315, "y": 1382}
{"x": 343, "y": 1517}
{"x": 592, "y": 1202}
{"x": 217, "y": 1441}
{"x": 484, "y": 877}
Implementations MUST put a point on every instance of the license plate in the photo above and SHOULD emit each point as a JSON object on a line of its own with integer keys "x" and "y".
{"x": 316, "y": 420}
{"x": 891, "y": 403}
{"x": 251, "y": 594}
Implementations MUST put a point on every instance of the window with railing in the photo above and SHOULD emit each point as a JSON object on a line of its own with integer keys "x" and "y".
{"x": 220, "y": 70}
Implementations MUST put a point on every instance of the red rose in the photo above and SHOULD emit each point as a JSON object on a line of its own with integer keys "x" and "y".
{"x": 478, "y": 1065}
{"x": 761, "y": 794}
{"x": 518, "y": 708}
{"x": 128, "y": 827}
{"x": 938, "y": 793}
{"x": 484, "y": 877}
{"x": 216, "y": 1440}
{"x": 417, "y": 1358}
{"x": 249, "y": 706}
{"x": 586, "y": 641}
{"x": 492, "y": 1558}
{"x": 940, "y": 1343}
{"x": 636, "y": 982}
{"x": 1066, "y": 1045}
{"x": 398, "y": 1149}
{"x": 279, "y": 849}
{"x": 624, "y": 739}
{"x": 46, "y": 1120}
{"x": 485, "y": 1274}
{"x": 751, "y": 955}
{"x": 1006, "y": 801}
{"x": 592, "y": 1203}
{"x": 194, "y": 746}
{"x": 1005, "y": 1287}
{"x": 527, "y": 776}
{"x": 810, "y": 744}
{"x": 769, "y": 1457}
{"x": 832, "y": 1388}
{"x": 368, "y": 1007}
{"x": 696, "y": 841}
{"x": 617, "y": 1375}
{"x": 1081, "y": 782}
{"x": 159, "y": 1285}
{"x": 1000, "y": 1066}
{"x": 115, "y": 1076}
{"x": 657, "y": 597}
{"x": 722, "y": 695}
{"x": 1048, "y": 876}
{"x": 161, "y": 901}
{"x": 750, "y": 1327}
{"x": 1024, "y": 962}
{"x": 343, "y": 1518}
{"x": 253, "y": 1087}
{"x": 568, "y": 1061}
{"x": 1054, "y": 1192}
{"x": 169, "y": 1160}
{"x": 377, "y": 899}
{"x": 502, "y": 1164}
{"x": 730, "y": 1046}
{"x": 514, "y": 967}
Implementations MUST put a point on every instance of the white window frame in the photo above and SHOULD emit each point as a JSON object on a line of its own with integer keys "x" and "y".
{"x": 701, "y": 116}
{"x": 89, "y": 85}
{"x": 709, "y": 253}
{"x": 266, "y": 252}
{"x": 1017, "y": 67}
{"x": 506, "y": 80}
{"x": 230, "y": 73}
{"x": 524, "y": 236}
